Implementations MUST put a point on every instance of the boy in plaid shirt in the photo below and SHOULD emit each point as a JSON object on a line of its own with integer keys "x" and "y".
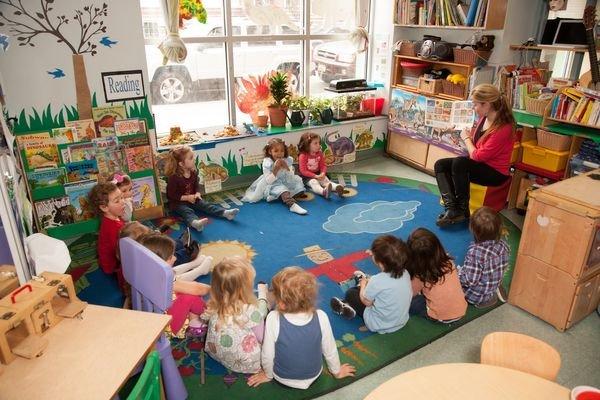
{"x": 486, "y": 260}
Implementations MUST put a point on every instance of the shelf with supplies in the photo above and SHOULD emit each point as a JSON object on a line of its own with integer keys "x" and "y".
{"x": 407, "y": 74}
{"x": 476, "y": 15}
{"x": 548, "y": 47}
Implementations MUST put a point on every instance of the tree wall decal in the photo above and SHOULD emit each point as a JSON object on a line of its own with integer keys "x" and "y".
{"x": 27, "y": 24}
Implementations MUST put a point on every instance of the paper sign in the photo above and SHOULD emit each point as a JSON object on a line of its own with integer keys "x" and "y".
{"x": 348, "y": 158}
{"x": 212, "y": 186}
{"x": 123, "y": 85}
{"x": 252, "y": 159}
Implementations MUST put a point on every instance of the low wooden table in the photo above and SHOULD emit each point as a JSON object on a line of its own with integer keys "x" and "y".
{"x": 468, "y": 382}
{"x": 88, "y": 358}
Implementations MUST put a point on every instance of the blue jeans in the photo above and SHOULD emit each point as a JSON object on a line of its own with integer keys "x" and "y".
{"x": 418, "y": 306}
{"x": 181, "y": 253}
{"x": 189, "y": 211}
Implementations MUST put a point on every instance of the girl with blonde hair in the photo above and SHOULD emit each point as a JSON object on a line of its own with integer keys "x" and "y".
{"x": 489, "y": 144}
{"x": 235, "y": 316}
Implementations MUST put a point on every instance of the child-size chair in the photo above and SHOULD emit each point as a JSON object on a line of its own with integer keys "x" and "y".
{"x": 151, "y": 281}
{"x": 521, "y": 352}
{"x": 148, "y": 384}
{"x": 490, "y": 196}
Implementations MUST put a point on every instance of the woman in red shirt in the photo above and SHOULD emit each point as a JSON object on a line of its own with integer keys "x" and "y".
{"x": 490, "y": 146}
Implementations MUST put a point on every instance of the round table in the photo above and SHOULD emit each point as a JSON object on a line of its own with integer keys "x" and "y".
{"x": 468, "y": 381}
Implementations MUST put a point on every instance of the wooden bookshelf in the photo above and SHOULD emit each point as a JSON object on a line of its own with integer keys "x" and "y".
{"x": 494, "y": 18}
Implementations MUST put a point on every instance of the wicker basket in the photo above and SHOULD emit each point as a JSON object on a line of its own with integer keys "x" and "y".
{"x": 453, "y": 89}
{"x": 536, "y": 106}
{"x": 429, "y": 86}
{"x": 471, "y": 57}
{"x": 407, "y": 48}
{"x": 553, "y": 141}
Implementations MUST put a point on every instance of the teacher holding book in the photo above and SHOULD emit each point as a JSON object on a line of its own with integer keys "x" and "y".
{"x": 490, "y": 146}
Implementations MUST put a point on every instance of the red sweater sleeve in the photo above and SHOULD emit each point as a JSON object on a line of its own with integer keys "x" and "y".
{"x": 107, "y": 244}
{"x": 494, "y": 145}
{"x": 303, "y": 165}
{"x": 322, "y": 165}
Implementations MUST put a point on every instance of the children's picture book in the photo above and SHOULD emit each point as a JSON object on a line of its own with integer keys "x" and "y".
{"x": 105, "y": 143}
{"x": 105, "y": 118}
{"x": 64, "y": 135}
{"x": 64, "y": 155}
{"x": 82, "y": 152}
{"x": 144, "y": 193}
{"x": 82, "y": 171}
{"x": 40, "y": 150}
{"x": 86, "y": 129}
{"x": 138, "y": 158}
{"x": 46, "y": 177}
{"x": 78, "y": 196}
{"x": 110, "y": 161}
{"x": 446, "y": 114}
{"x": 143, "y": 127}
{"x": 129, "y": 126}
{"x": 134, "y": 141}
{"x": 54, "y": 212}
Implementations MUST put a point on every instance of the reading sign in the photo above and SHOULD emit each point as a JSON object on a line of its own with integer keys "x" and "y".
{"x": 123, "y": 85}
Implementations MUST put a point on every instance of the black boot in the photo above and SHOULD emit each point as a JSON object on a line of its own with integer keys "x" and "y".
{"x": 452, "y": 214}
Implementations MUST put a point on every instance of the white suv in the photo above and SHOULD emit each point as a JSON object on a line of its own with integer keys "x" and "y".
{"x": 202, "y": 76}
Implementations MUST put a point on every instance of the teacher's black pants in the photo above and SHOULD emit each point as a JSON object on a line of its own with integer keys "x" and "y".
{"x": 460, "y": 171}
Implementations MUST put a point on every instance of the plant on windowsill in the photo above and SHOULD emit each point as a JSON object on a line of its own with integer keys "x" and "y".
{"x": 300, "y": 103}
{"x": 279, "y": 90}
{"x": 317, "y": 106}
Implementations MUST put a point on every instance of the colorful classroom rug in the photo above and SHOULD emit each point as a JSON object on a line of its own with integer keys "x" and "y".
{"x": 330, "y": 242}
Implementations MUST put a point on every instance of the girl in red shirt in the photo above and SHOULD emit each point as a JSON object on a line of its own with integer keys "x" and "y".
{"x": 489, "y": 145}
{"x": 312, "y": 166}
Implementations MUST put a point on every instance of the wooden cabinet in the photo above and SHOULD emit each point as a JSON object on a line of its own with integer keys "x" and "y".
{"x": 557, "y": 274}
{"x": 410, "y": 149}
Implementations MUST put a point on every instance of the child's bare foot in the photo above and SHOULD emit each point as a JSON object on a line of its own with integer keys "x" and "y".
{"x": 231, "y": 213}
{"x": 339, "y": 190}
{"x": 199, "y": 224}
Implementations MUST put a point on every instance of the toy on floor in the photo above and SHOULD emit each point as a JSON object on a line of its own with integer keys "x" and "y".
{"x": 31, "y": 310}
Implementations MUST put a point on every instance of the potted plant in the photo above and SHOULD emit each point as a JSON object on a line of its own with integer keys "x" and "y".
{"x": 300, "y": 103}
{"x": 317, "y": 106}
{"x": 278, "y": 85}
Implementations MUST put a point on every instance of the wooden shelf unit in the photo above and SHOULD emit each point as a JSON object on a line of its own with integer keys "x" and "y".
{"x": 495, "y": 16}
{"x": 541, "y": 47}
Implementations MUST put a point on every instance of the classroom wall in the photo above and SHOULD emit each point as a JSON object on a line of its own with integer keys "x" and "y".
{"x": 38, "y": 79}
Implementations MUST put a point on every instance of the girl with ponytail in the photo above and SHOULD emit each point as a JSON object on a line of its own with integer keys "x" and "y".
{"x": 490, "y": 146}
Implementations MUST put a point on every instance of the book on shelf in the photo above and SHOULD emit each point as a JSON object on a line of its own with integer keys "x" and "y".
{"x": 46, "y": 177}
{"x": 54, "y": 212}
{"x": 81, "y": 152}
{"x": 441, "y": 12}
{"x": 139, "y": 158}
{"x": 576, "y": 105}
{"x": 105, "y": 143}
{"x": 64, "y": 135}
{"x": 144, "y": 193}
{"x": 130, "y": 126}
{"x": 110, "y": 161}
{"x": 472, "y": 12}
{"x": 82, "y": 171}
{"x": 134, "y": 141}
{"x": 78, "y": 197}
{"x": 105, "y": 118}
{"x": 40, "y": 150}
{"x": 86, "y": 129}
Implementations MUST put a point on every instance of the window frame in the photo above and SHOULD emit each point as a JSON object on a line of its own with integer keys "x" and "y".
{"x": 229, "y": 40}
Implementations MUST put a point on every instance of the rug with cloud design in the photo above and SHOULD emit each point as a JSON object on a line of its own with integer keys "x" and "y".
{"x": 331, "y": 242}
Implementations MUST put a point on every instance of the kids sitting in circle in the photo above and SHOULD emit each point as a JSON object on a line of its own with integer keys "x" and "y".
{"x": 384, "y": 299}
{"x": 107, "y": 200}
{"x": 437, "y": 293}
{"x": 125, "y": 185}
{"x": 486, "y": 260}
{"x": 311, "y": 163}
{"x": 297, "y": 335}
{"x": 188, "y": 302}
{"x": 189, "y": 264}
{"x": 278, "y": 179}
{"x": 183, "y": 190}
{"x": 235, "y": 316}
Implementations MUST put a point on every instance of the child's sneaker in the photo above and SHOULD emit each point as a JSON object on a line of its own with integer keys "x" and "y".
{"x": 231, "y": 213}
{"x": 341, "y": 308}
{"x": 501, "y": 293}
{"x": 193, "y": 250}
{"x": 197, "y": 332}
{"x": 295, "y": 208}
{"x": 199, "y": 224}
{"x": 489, "y": 303}
{"x": 358, "y": 275}
{"x": 339, "y": 190}
{"x": 326, "y": 191}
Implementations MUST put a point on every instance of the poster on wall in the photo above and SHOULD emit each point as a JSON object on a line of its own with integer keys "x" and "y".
{"x": 123, "y": 85}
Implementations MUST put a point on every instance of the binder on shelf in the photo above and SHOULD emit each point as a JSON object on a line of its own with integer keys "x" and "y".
{"x": 472, "y": 12}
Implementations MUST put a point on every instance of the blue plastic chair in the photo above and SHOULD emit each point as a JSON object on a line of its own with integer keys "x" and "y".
{"x": 151, "y": 281}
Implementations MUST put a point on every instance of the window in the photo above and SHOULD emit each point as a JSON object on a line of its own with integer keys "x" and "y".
{"x": 243, "y": 39}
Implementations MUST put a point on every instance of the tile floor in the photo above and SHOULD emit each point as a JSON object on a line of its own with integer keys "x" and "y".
{"x": 579, "y": 347}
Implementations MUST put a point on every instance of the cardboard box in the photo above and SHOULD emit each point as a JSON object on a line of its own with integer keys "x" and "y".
{"x": 8, "y": 283}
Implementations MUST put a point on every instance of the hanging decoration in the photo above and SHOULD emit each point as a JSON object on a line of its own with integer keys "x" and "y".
{"x": 189, "y": 9}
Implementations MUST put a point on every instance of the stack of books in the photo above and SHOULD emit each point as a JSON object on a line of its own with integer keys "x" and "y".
{"x": 578, "y": 105}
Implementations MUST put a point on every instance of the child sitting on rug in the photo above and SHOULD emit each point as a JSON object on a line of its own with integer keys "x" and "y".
{"x": 107, "y": 200}
{"x": 297, "y": 335}
{"x": 125, "y": 185}
{"x": 278, "y": 179}
{"x": 185, "y": 267}
{"x": 384, "y": 299}
{"x": 437, "y": 293}
{"x": 183, "y": 190}
{"x": 187, "y": 303}
{"x": 235, "y": 316}
{"x": 311, "y": 163}
{"x": 486, "y": 260}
